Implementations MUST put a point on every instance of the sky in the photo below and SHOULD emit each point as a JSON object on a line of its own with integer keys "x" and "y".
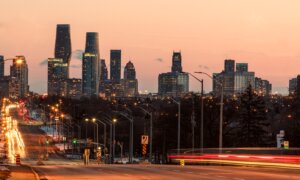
{"x": 265, "y": 34}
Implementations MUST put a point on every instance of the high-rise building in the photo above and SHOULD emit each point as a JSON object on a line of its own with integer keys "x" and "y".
{"x": 292, "y": 86}
{"x": 19, "y": 70}
{"x": 236, "y": 82}
{"x": 263, "y": 87}
{"x": 130, "y": 81}
{"x": 243, "y": 78}
{"x": 298, "y": 87}
{"x": 57, "y": 82}
{"x": 1, "y": 66}
{"x": 176, "y": 62}
{"x": 226, "y": 77}
{"x": 74, "y": 88}
{"x": 90, "y": 66}
{"x": 241, "y": 67}
{"x": 229, "y": 66}
{"x": 4, "y": 86}
{"x": 103, "y": 71}
{"x": 63, "y": 48}
{"x": 115, "y": 66}
{"x": 175, "y": 83}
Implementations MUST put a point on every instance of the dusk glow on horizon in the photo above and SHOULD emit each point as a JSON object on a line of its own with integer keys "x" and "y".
{"x": 264, "y": 34}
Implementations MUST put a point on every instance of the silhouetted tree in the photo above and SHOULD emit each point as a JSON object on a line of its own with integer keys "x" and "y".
{"x": 252, "y": 124}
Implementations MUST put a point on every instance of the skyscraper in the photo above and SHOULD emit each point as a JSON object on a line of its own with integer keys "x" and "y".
{"x": 91, "y": 66}
{"x": 226, "y": 77}
{"x": 130, "y": 81}
{"x": 263, "y": 87}
{"x": 243, "y": 78}
{"x": 176, "y": 62}
{"x": 63, "y": 48}
{"x": 229, "y": 66}
{"x": 115, "y": 66}
{"x": 292, "y": 86}
{"x": 19, "y": 71}
{"x": 103, "y": 71}
{"x": 57, "y": 82}
{"x": 1, "y": 66}
{"x": 241, "y": 67}
{"x": 74, "y": 88}
{"x": 176, "y": 82}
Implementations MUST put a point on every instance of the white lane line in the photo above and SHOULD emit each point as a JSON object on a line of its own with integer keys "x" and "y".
{"x": 190, "y": 172}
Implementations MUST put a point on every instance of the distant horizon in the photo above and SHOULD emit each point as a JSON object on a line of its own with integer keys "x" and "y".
{"x": 264, "y": 34}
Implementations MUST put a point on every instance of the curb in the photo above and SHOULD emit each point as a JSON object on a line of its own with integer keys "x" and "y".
{"x": 38, "y": 176}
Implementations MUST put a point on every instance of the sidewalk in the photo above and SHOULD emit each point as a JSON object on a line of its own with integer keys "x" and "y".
{"x": 22, "y": 172}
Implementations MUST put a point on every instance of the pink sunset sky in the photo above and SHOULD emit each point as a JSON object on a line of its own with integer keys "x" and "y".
{"x": 263, "y": 33}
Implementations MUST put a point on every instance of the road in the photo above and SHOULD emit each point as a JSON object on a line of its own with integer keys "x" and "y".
{"x": 57, "y": 168}
{"x": 155, "y": 172}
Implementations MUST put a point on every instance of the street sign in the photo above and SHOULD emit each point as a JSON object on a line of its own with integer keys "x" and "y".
{"x": 182, "y": 163}
{"x": 145, "y": 139}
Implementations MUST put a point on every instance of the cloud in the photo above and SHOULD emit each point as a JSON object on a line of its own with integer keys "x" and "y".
{"x": 44, "y": 62}
{"x": 75, "y": 66}
{"x": 77, "y": 54}
{"x": 203, "y": 67}
{"x": 159, "y": 60}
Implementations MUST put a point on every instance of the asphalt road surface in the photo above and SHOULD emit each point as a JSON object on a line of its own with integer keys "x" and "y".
{"x": 172, "y": 172}
{"x": 57, "y": 168}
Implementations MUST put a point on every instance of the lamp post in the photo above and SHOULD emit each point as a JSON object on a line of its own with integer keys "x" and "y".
{"x": 111, "y": 137}
{"x": 130, "y": 119}
{"x": 104, "y": 132}
{"x": 221, "y": 110}
{"x": 202, "y": 113}
{"x": 94, "y": 121}
{"x": 86, "y": 121}
{"x": 114, "y": 121}
{"x": 178, "y": 130}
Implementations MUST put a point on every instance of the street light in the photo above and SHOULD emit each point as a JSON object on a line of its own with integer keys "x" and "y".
{"x": 202, "y": 111}
{"x": 94, "y": 121}
{"x": 221, "y": 110}
{"x": 178, "y": 130}
{"x": 114, "y": 121}
{"x": 130, "y": 119}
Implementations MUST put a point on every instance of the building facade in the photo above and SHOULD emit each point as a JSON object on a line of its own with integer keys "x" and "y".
{"x": 63, "y": 47}
{"x": 263, "y": 87}
{"x": 91, "y": 66}
{"x": 176, "y": 82}
{"x": 292, "y": 86}
{"x": 130, "y": 82}
{"x": 2, "y": 66}
{"x": 74, "y": 88}
{"x": 236, "y": 78}
{"x": 115, "y": 66}
{"x": 19, "y": 71}
{"x": 57, "y": 82}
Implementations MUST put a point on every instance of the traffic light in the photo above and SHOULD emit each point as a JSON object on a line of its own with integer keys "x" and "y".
{"x": 74, "y": 141}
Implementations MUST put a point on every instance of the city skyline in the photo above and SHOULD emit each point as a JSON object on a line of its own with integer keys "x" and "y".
{"x": 220, "y": 31}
